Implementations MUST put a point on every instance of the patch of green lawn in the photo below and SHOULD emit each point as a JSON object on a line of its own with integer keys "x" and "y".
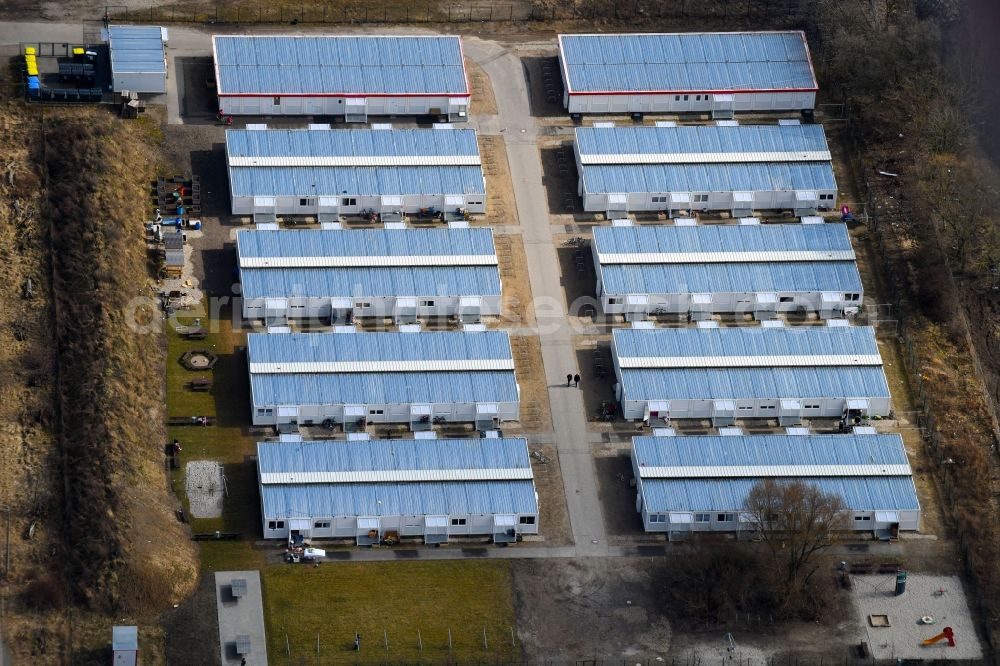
{"x": 335, "y": 600}
{"x": 229, "y": 440}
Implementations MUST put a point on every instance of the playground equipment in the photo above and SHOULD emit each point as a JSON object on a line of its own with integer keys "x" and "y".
{"x": 946, "y": 634}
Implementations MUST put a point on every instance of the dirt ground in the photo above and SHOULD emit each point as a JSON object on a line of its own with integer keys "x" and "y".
{"x": 483, "y": 101}
{"x": 500, "y": 207}
{"x": 554, "y": 521}
{"x": 535, "y": 412}
{"x": 617, "y": 495}
{"x": 593, "y": 353}
{"x": 590, "y": 609}
{"x": 517, "y": 307}
{"x": 560, "y": 177}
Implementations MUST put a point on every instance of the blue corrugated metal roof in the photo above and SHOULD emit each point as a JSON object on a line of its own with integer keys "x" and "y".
{"x": 750, "y": 177}
{"x": 351, "y": 142}
{"x": 369, "y": 282}
{"x": 329, "y": 65}
{"x": 729, "y": 495}
{"x": 384, "y": 388}
{"x": 687, "y": 62}
{"x": 754, "y": 383}
{"x": 758, "y": 341}
{"x": 136, "y": 49}
{"x": 757, "y": 450}
{"x": 693, "y": 139}
{"x": 257, "y": 181}
{"x": 366, "y": 242}
{"x": 388, "y": 346}
{"x": 399, "y": 499}
{"x": 392, "y": 455}
{"x": 785, "y": 277}
{"x": 722, "y": 238}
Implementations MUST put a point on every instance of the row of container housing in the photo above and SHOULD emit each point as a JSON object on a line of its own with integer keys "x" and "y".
{"x": 428, "y": 488}
{"x": 698, "y": 271}
{"x": 680, "y": 169}
{"x": 700, "y": 483}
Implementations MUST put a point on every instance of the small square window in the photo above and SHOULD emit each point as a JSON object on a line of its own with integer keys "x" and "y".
{"x": 677, "y": 98}
{"x": 702, "y": 517}
{"x": 276, "y": 101}
{"x": 527, "y": 520}
{"x": 685, "y": 98}
{"x": 458, "y": 521}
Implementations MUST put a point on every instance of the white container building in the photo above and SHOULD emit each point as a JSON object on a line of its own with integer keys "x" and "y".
{"x": 359, "y": 378}
{"x": 138, "y": 58}
{"x": 700, "y": 483}
{"x": 725, "y": 374}
{"x": 701, "y": 270}
{"x": 436, "y": 489}
{"x": 326, "y": 173}
{"x": 350, "y": 76}
{"x": 716, "y": 73}
{"x": 344, "y": 274}
{"x": 687, "y": 168}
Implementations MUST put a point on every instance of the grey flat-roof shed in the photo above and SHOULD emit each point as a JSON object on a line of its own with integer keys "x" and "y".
{"x": 138, "y": 58}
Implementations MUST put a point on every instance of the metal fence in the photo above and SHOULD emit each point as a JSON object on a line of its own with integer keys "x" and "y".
{"x": 429, "y": 12}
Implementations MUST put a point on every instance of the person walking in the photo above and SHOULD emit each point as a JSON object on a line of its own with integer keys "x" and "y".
{"x": 569, "y": 379}
{"x": 576, "y": 380}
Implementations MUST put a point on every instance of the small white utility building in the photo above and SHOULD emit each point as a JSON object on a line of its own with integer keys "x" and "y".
{"x": 344, "y": 274}
{"x": 358, "y": 378}
{"x": 686, "y": 168}
{"x": 725, "y": 374}
{"x": 700, "y": 483}
{"x": 326, "y": 173}
{"x": 352, "y": 76}
{"x": 716, "y": 73}
{"x": 701, "y": 270}
{"x": 363, "y": 490}
{"x": 138, "y": 58}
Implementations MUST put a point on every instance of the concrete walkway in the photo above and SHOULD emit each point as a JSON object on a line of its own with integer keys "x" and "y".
{"x": 569, "y": 418}
{"x": 240, "y": 616}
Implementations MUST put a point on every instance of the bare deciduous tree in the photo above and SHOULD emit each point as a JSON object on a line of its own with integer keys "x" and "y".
{"x": 796, "y": 521}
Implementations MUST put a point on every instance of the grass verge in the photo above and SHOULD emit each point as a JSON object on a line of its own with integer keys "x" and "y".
{"x": 306, "y": 606}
